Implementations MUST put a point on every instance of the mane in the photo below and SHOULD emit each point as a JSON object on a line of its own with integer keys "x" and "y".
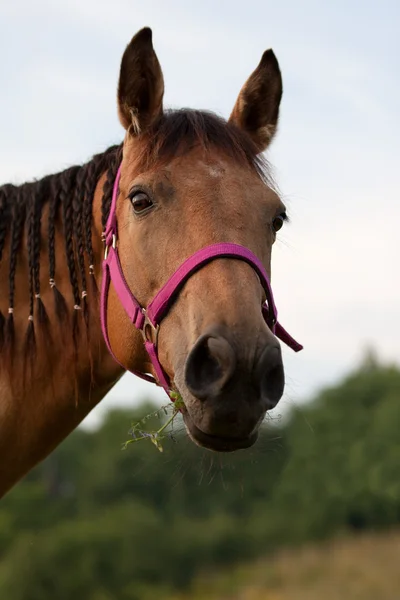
{"x": 69, "y": 196}
{"x": 177, "y": 131}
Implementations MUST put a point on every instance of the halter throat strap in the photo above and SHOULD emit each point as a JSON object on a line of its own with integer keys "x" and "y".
{"x": 148, "y": 320}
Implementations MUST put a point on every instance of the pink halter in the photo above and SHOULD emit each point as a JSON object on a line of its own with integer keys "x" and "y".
{"x": 148, "y": 320}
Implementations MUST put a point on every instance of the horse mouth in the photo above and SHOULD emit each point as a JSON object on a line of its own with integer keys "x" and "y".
{"x": 217, "y": 443}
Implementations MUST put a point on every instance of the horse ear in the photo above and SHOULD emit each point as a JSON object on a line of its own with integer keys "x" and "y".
{"x": 257, "y": 108}
{"x": 141, "y": 84}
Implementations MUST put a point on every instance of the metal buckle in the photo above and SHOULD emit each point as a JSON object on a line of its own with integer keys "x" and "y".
{"x": 113, "y": 244}
{"x": 149, "y": 331}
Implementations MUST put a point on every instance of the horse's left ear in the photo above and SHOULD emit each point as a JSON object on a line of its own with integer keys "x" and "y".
{"x": 257, "y": 108}
{"x": 141, "y": 84}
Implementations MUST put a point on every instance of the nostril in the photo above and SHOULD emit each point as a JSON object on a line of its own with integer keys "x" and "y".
{"x": 209, "y": 366}
{"x": 272, "y": 376}
{"x": 274, "y": 385}
{"x": 205, "y": 366}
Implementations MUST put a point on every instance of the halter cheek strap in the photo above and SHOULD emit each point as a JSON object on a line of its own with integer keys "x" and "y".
{"x": 148, "y": 320}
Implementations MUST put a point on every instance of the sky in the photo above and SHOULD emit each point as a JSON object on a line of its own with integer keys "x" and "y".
{"x": 335, "y": 269}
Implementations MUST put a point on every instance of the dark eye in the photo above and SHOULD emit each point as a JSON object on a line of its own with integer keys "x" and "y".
{"x": 277, "y": 223}
{"x": 140, "y": 202}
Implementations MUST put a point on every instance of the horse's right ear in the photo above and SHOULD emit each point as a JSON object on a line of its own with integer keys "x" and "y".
{"x": 141, "y": 84}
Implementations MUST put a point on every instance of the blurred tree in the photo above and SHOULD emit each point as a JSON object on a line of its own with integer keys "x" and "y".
{"x": 96, "y": 522}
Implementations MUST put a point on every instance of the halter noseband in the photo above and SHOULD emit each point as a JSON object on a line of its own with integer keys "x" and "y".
{"x": 148, "y": 320}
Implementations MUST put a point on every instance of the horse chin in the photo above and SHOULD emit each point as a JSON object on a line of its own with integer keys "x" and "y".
{"x": 215, "y": 442}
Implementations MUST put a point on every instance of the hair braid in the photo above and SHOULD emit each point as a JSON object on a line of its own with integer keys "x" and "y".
{"x": 36, "y": 241}
{"x": 89, "y": 190}
{"x": 66, "y": 190}
{"x": 59, "y": 300}
{"x": 77, "y": 209}
{"x": 67, "y": 185}
{"x": 93, "y": 172}
{"x": 30, "y": 337}
{"x": 15, "y": 242}
{"x": 95, "y": 169}
{"x": 51, "y": 233}
{"x": 108, "y": 186}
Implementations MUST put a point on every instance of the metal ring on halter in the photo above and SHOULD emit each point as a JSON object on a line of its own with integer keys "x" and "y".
{"x": 149, "y": 331}
{"x": 113, "y": 244}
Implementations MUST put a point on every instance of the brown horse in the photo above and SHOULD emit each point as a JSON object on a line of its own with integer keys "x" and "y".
{"x": 189, "y": 179}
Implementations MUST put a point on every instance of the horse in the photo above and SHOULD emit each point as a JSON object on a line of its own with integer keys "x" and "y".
{"x": 185, "y": 204}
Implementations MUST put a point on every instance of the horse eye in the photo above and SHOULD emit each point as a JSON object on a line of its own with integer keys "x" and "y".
{"x": 277, "y": 223}
{"x": 140, "y": 202}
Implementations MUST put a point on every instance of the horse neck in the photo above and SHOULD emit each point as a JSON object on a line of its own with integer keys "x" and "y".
{"x": 49, "y": 387}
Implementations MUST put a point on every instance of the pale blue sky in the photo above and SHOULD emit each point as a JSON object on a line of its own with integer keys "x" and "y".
{"x": 335, "y": 270}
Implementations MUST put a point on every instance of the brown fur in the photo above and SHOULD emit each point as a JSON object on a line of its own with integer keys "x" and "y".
{"x": 257, "y": 108}
{"x": 208, "y": 185}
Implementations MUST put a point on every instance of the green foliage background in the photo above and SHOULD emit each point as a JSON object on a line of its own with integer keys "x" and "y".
{"x": 99, "y": 523}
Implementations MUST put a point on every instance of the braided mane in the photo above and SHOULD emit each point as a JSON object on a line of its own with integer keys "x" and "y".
{"x": 69, "y": 196}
